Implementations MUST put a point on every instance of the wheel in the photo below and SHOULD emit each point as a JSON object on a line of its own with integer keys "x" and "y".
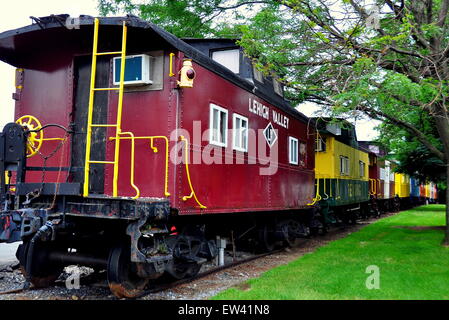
{"x": 179, "y": 269}
{"x": 44, "y": 272}
{"x": 267, "y": 242}
{"x": 292, "y": 230}
{"x": 122, "y": 275}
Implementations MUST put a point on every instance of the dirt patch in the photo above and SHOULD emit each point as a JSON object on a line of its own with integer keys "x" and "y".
{"x": 244, "y": 286}
{"x": 421, "y": 228}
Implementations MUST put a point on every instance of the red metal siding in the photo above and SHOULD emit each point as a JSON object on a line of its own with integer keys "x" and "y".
{"x": 47, "y": 94}
{"x": 220, "y": 187}
{"x": 240, "y": 187}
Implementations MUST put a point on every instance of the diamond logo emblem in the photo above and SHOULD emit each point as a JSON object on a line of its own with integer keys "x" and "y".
{"x": 270, "y": 135}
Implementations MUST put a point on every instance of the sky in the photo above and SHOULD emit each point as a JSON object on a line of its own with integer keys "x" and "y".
{"x": 16, "y": 14}
{"x": 364, "y": 127}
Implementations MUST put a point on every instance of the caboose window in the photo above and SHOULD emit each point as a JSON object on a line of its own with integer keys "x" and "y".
{"x": 293, "y": 150}
{"x": 362, "y": 169}
{"x": 257, "y": 74}
{"x": 137, "y": 70}
{"x": 277, "y": 87}
{"x": 344, "y": 166}
{"x": 302, "y": 154}
{"x": 228, "y": 58}
{"x": 320, "y": 144}
{"x": 218, "y": 126}
{"x": 240, "y": 133}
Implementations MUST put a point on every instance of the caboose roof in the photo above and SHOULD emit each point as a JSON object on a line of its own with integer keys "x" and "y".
{"x": 16, "y": 46}
{"x": 347, "y": 135}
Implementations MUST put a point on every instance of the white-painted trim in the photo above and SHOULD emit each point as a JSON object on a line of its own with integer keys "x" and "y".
{"x": 236, "y": 116}
{"x": 211, "y": 128}
{"x": 290, "y": 160}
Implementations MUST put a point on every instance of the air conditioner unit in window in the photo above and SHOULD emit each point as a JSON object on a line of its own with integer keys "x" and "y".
{"x": 137, "y": 70}
{"x": 320, "y": 145}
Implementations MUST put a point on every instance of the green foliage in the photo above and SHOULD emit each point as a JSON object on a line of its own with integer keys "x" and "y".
{"x": 184, "y": 18}
{"x": 411, "y": 261}
{"x": 411, "y": 156}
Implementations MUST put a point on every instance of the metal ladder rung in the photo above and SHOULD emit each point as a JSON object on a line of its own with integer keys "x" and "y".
{"x": 102, "y": 162}
{"x": 103, "y": 125}
{"x": 91, "y": 107}
{"x": 108, "y": 53}
{"x": 106, "y": 89}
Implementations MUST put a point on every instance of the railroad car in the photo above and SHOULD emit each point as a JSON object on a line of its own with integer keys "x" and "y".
{"x": 341, "y": 169}
{"x": 428, "y": 192}
{"x": 431, "y": 192}
{"x": 415, "y": 197}
{"x": 422, "y": 191}
{"x": 133, "y": 150}
{"x": 380, "y": 177}
{"x": 402, "y": 189}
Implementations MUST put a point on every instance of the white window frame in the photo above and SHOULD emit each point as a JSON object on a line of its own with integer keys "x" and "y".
{"x": 382, "y": 174}
{"x": 344, "y": 166}
{"x": 277, "y": 86}
{"x": 257, "y": 74}
{"x": 211, "y": 125}
{"x": 362, "y": 169}
{"x": 320, "y": 145}
{"x": 234, "y": 64}
{"x": 290, "y": 141}
{"x": 237, "y": 135}
{"x": 302, "y": 158}
{"x": 144, "y": 69}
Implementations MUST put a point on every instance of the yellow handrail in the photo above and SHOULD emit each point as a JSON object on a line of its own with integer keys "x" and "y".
{"x": 337, "y": 190}
{"x": 167, "y": 194}
{"x": 132, "y": 164}
{"x": 171, "y": 74}
{"x": 155, "y": 150}
{"x": 324, "y": 189}
{"x": 317, "y": 195}
{"x": 192, "y": 194}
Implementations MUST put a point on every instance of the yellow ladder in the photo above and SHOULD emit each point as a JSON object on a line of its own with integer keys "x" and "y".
{"x": 117, "y": 125}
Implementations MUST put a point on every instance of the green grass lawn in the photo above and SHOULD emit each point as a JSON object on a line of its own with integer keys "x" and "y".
{"x": 412, "y": 264}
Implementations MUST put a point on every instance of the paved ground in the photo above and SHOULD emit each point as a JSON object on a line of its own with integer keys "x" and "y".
{"x": 8, "y": 253}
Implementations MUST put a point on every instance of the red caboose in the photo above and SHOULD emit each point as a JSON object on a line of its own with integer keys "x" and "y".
{"x": 381, "y": 177}
{"x": 125, "y": 133}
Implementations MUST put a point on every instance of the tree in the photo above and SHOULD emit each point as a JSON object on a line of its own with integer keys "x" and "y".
{"x": 390, "y": 64}
{"x": 388, "y": 61}
{"x": 413, "y": 158}
{"x": 185, "y": 18}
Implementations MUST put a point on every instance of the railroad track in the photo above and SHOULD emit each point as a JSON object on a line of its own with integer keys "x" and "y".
{"x": 174, "y": 284}
{"x": 93, "y": 279}
{"x": 165, "y": 286}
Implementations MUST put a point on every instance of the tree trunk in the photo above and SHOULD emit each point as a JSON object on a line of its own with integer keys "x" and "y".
{"x": 442, "y": 125}
{"x": 446, "y": 235}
